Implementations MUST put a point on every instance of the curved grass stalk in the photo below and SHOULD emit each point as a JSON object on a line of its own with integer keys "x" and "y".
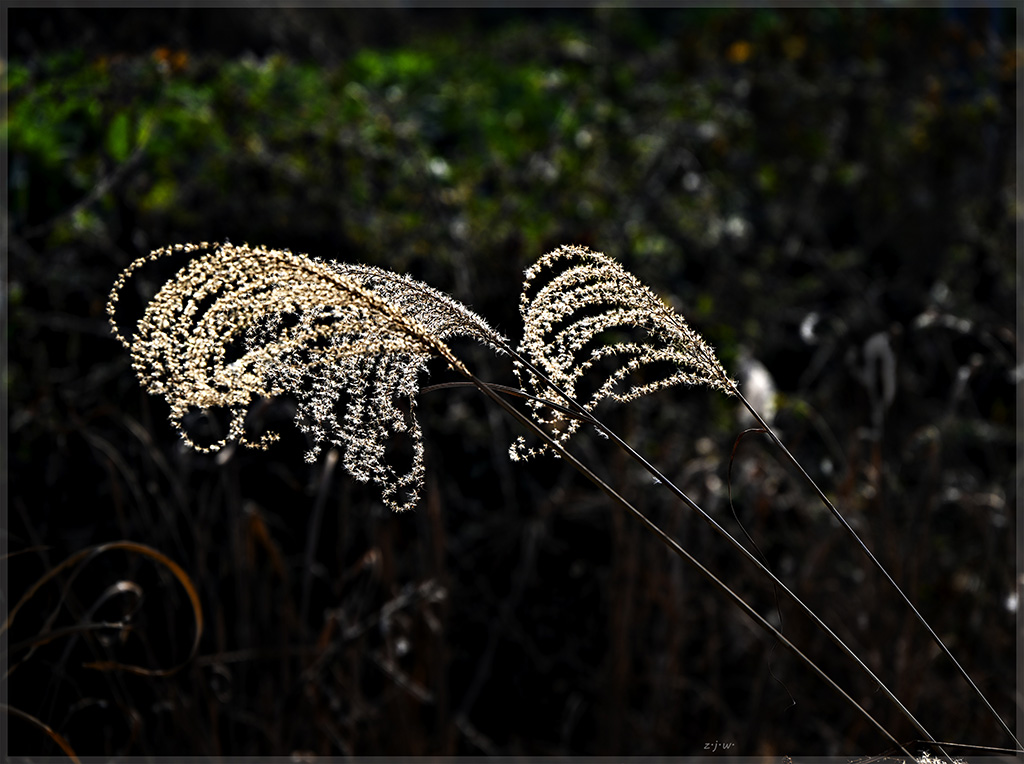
{"x": 576, "y": 410}
{"x": 76, "y": 563}
{"x": 55, "y": 736}
{"x": 560, "y": 449}
{"x": 875, "y": 561}
{"x": 587, "y": 294}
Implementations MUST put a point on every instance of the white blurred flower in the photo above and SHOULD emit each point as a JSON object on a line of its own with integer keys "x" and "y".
{"x": 758, "y": 387}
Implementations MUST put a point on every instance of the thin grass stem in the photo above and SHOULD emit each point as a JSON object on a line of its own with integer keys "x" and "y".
{"x": 485, "y": 388}
{"x": 652, "y": 470}
{"x": 874, "y": 560}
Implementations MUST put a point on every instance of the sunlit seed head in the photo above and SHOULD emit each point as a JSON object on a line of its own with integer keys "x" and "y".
{"x": 240, "y": 323}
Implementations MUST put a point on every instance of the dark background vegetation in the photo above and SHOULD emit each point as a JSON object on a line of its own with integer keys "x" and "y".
{"x": 797, "y": 182}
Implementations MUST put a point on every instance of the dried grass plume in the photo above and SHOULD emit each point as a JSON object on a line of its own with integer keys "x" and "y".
{"x": 587, "y": 319}
{"x": 240, "y": 323}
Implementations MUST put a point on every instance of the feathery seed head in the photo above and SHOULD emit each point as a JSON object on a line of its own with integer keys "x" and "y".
{"x": 238, "y": 323}
{"x": 586, "y": 319}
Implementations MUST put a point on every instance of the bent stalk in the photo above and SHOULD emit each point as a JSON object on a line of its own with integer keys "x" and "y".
{"x": 485, "y": 388}
{"x": 578, "y": 411}
{"x": 875, "y": 561}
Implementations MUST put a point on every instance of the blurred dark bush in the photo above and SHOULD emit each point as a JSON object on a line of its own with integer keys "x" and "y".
{"x": 821, "y": 189}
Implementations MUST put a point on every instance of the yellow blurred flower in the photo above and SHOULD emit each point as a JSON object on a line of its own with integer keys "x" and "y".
{"x": 739, "y": 52}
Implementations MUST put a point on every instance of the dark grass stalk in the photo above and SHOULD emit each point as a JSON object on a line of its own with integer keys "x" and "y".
{"x": 55, "y": 736}
{"x": 587, "y": 279}
{"x": 532, "y": 426}
{"x": 576, "y": 410}
{"x": 76, "y": 563}
{"x": 313, "y": 531}
{"x": 874, "y": 560}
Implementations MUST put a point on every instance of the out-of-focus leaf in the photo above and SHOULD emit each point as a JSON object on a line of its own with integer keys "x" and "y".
{"x": 119, "y": 137}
